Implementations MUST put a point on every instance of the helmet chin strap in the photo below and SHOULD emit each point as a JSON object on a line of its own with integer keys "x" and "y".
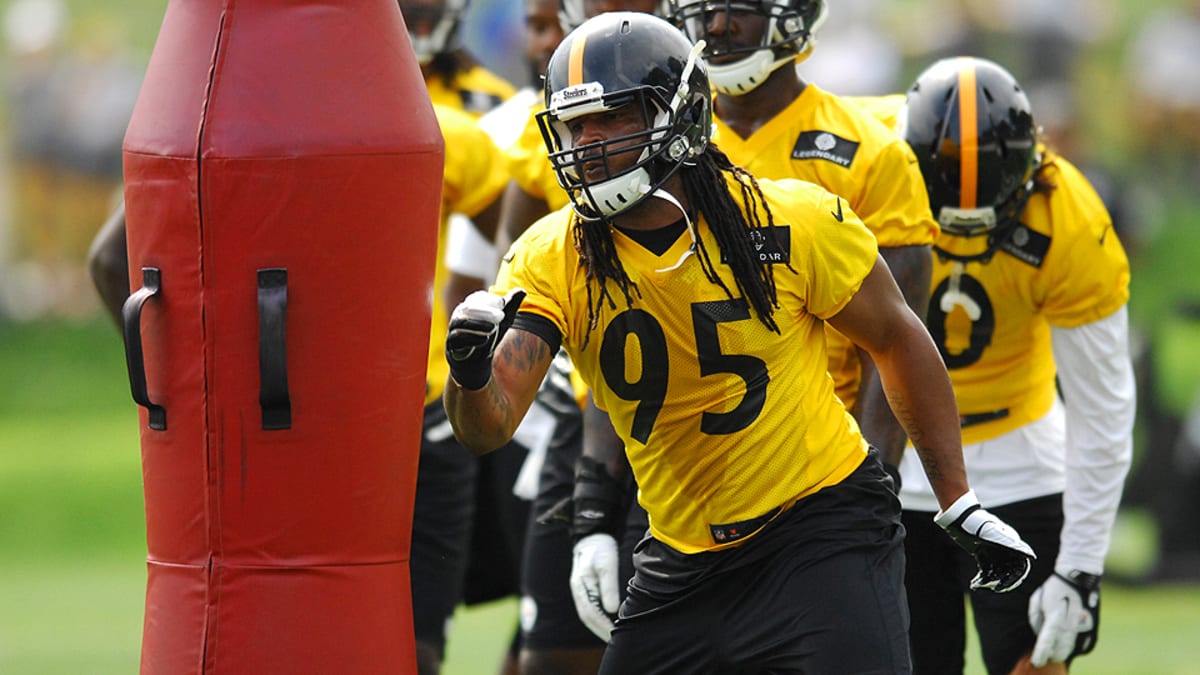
{"x": 691, "y": 228}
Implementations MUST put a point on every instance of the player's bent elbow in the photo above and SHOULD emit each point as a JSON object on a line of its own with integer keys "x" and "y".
{"x": 479, "y": 444}
{"x": 473, "y": 430}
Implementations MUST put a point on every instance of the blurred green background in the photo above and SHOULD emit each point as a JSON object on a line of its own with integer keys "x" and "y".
{"x": 72, "y": 535}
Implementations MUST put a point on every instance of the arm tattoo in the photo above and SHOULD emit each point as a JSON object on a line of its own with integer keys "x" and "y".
{"x": 907, "y": 419}
{"x": 904, "y": 415}
{"x": 525, "y": 351}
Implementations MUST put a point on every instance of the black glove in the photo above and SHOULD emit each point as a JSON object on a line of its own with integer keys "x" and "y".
{"x": 476, "y": 326}
{"x": 1004, "y": 559}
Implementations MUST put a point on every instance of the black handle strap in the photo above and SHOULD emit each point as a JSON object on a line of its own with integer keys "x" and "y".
{"x": 272, "y": 349}
{"x": 131, "y": 321}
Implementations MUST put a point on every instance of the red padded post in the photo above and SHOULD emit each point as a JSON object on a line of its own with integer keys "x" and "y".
{"x": 282, "y": 174}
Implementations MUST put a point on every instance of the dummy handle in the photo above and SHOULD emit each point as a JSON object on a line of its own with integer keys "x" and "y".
{"x": 272, "y": 349}
{"x": 131, "y": 321}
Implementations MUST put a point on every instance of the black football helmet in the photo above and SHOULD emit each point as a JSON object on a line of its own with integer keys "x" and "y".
{"x": 615, "y": 60}
{"x": 789, "y": 36}
{"x": 970, "y": 124}
{"x": 445, "y": 18}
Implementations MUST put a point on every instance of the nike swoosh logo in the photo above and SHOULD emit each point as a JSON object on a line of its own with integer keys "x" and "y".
{"x": 1105, "y": 235}
{"x": 838, "y": 215}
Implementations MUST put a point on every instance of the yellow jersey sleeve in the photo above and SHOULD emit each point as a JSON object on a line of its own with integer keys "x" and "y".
{"x": 540, "y": 261}
{"x": 475, "y": 171}
{"x": 840, "y": 252}
{"x": 474, "y": 91}
{"x": 885, "y": 108}
{"x": 473, "y": 177}
{"x": 1087, "y": 271}
{"x": 530, "y": 167}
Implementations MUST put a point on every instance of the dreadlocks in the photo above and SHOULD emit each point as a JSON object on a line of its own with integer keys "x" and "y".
{"x": 731, "y": 225}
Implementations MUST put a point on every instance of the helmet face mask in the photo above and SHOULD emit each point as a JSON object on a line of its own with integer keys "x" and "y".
{"x": 971, "y": 127}
{"x": 788, "y": 35}
{"x": 445, "y": 17}
{"x": 641, "y": 69}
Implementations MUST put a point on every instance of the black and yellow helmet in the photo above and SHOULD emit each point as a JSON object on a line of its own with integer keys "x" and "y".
{"x": 615, "y": 60}
{"x": 971, "y": 126}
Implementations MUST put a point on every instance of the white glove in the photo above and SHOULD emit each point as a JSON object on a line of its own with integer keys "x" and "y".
{"x": 595, "y": 574}
{"x": 1065, "y": 614}
{"x": 1004, "y": 558}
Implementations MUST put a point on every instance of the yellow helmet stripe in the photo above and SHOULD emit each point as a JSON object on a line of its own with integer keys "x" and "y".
{"x": 968, "y": 121}
{"x": 575, "y": 63}
{"x": 969, "y": 133}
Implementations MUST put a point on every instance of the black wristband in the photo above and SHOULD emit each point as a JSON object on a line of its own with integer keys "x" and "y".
{"x": 1083, "y": 580}
{"x": 597, "y": 500}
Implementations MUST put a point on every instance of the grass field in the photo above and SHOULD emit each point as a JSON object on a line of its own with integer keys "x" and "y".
{"x": 72, "y": 573}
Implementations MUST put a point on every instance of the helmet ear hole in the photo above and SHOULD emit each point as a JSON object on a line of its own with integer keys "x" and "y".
{"x": 790, "y": 24}
{"x": 678, "y": 149}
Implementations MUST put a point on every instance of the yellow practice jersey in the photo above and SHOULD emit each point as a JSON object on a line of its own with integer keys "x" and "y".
{"x": 823, "y": 139}
{"x": 1062, "y": 266}
{"x": 884, "y": 108}
{"x": 530, "y": 167}
{"x": 722, "y": 419}
{"x": 474, "y": 176}
{"x": 474, "y": 91}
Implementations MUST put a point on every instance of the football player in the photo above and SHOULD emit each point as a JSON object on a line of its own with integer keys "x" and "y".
{"x": 776, "y": 125}
{"x": 692, "y": 297}
{"x": 1029, "y": 290}
{"x": 453, "y": 76}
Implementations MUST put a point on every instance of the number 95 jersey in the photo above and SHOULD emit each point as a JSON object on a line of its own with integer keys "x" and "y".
{"x": 1062, "y": 266}
{"x": 724, "y": 421}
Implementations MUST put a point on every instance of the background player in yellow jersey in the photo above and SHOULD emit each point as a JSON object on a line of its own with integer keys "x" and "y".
{"x": 448, "y": 496}
{"x": 692, "y": 298}
{"x": 461, "y": 502}
{"x": 452, "y": 75}
{"x": 1029, "y": 282}
{"x": 776, "y": 125}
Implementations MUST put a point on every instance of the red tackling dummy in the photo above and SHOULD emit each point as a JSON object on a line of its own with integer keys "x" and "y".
{"x": 282, "y": 183}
